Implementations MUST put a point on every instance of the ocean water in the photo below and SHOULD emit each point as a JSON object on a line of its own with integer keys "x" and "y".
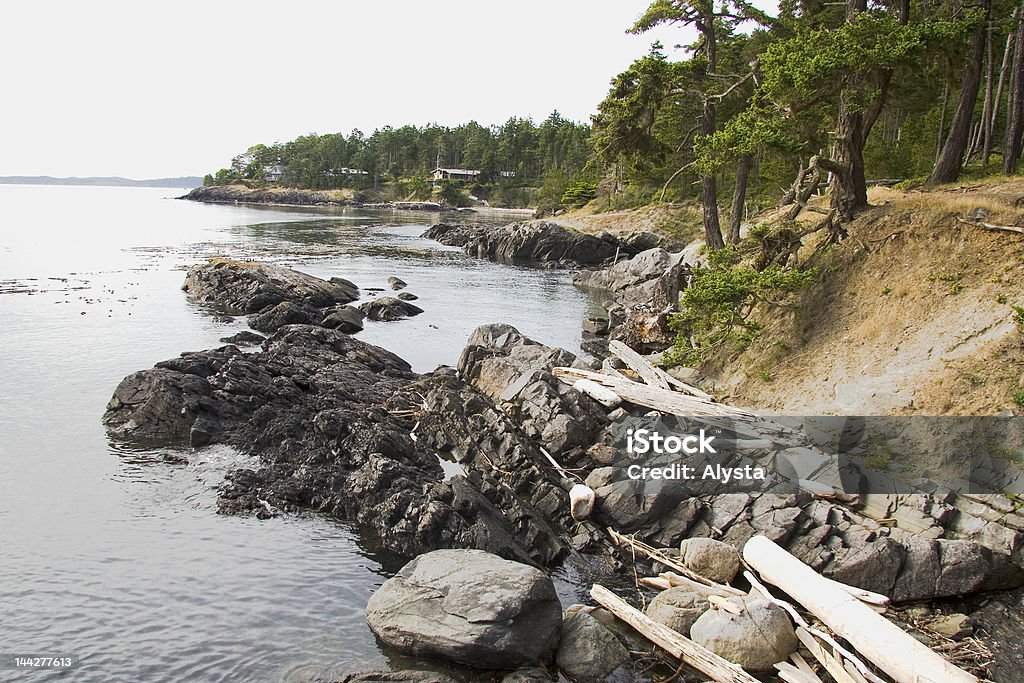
{"x": 117, "y": 556}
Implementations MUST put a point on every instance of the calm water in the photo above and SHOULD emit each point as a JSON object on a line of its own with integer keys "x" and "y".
{"x": 118, "y": 557}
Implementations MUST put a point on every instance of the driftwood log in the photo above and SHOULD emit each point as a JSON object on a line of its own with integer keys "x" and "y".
{"x": 879, "y": 640}
{"x": 676, "y": 644}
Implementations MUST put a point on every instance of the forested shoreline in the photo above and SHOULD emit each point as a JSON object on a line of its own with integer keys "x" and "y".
{"x": 821, "y": 92}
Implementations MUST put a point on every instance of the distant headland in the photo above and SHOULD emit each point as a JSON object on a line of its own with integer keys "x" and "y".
{"x": 109, "y": 181}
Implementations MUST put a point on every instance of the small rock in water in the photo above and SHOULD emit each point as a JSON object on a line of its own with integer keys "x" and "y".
{"x": 347, "y": 319}
{"x": 389, "y": 308}
{"x": 244, "y": 338}
{"x": 407, "y": 296}
{"x": 396, "y": 677}
{"x": 397, "y": 283}
{"x": 223, "y": 319}
{"x": 755, "y": 639}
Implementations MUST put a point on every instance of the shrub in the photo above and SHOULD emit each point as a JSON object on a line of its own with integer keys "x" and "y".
{"x": 715, "y": 309}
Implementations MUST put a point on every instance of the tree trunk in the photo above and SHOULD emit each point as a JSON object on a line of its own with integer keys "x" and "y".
{"x": 997, "y": 100}
{"x": 1015, "y": 123}
{"x": 947, "y": 168}
{"x": 708, "y": 185}
{"x": 739, "y": 198}
{"x": 986, "y": 111}
{"x": 848, "y": 187}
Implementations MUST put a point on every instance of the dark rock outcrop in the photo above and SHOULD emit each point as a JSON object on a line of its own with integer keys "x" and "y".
{"x": 244, "y": 338}
{"x": 531, "y": 242}
{"x": 347, "y": 319}
{"x": 243, "y": 288}
{"x": 470, "y": 607}
{"x": 515, "y": 371}
{"x": 389, "y": 308}
{"x": 332, "y": 420}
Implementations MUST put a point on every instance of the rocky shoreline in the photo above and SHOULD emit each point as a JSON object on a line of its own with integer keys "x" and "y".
{"x": 230, "y": 194}
{"x": 346, "y": 429}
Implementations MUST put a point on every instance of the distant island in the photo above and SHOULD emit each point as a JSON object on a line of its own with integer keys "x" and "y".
{"x": 111, "y": 181}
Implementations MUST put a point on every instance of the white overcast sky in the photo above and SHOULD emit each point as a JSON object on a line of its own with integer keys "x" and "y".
{"x": 145, "y": 89}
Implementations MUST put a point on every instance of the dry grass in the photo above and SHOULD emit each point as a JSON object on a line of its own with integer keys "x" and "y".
{"x": 911, "y": 314}
{"x": 682, "y": 223}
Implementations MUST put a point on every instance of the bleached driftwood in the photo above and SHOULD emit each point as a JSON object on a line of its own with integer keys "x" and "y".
{"x": 832, "y": 664}
{"x": 802, "y": 623}
{"x": 603, "y": 395}
{"x": 793, "y": 674}
{"x": 638, "y": 364}
{"x": 991, "y": 226}
{"x": 657, "y": 582}
{"x": 879, "y": 640}
{"x": 702, "y": 588}
{"x": 801, "y": 663}
{"x": 651, "y": 373}
{"x": 658, "y": 556}
{"x": 676, "y": 644}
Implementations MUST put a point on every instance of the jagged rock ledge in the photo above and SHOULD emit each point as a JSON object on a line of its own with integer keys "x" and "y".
{"x": 234, "y": 194}
{"x": 540, "y": 242}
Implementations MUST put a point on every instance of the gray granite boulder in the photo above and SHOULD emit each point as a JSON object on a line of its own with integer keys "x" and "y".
{"x": 755, "y": 639}
{"x": 471, "y": 607}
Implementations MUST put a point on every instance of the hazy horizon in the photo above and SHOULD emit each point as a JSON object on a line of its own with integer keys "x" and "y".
{"x": 140, "y": 91}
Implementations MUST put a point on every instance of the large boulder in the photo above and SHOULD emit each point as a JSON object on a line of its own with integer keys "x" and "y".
{"x": 588, "y": 652}
{"x": 242, "y": 287}
{"x": 471, "y": 607}
{"x": 756, "y": 639}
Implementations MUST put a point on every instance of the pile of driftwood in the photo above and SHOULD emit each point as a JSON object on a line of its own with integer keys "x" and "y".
{"x": 877, "y": 646}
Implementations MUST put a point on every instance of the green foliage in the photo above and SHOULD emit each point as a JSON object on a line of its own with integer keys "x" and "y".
{"x": 578, "y": 193}
{"x": 955, "y": 281}
{"x": 418, "y": 187}
{"x": 451, "y": 192}
{"x": 1018, "y": 398}
{"x": 715, "y": 309}
{"x": 1018, "y": 316}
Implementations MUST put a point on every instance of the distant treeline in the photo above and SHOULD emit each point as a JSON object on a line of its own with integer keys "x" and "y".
{"x": 511, "y": 158}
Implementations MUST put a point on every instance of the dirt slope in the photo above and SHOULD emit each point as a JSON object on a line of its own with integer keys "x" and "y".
{"x": 912, "y": 314}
